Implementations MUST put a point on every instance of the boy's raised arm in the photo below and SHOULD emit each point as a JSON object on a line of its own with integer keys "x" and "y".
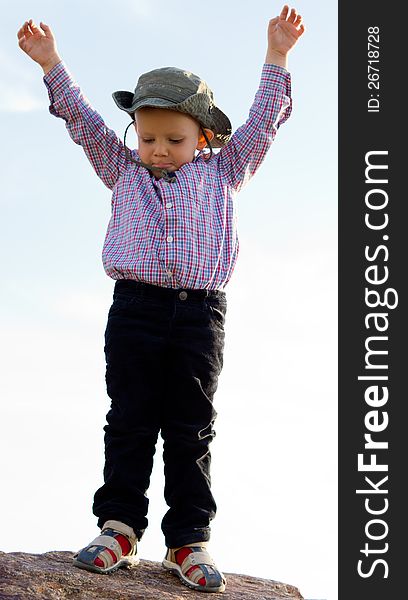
{"x": 247, "y": 148}
{"x": 103, "y": 148}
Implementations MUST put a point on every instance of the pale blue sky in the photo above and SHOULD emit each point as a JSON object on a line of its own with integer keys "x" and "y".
{"x": 280, "y": 357}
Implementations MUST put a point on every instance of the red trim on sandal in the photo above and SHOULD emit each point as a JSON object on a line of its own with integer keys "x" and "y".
{"x": 180, "y": 555}
{"x": 124, "y": 544}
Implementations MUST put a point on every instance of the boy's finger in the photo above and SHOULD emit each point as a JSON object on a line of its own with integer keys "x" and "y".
{"x": 20, "y": 32}
{"x": 273, "y": 23}
{"x": 292, "y": 15}
{"x": 26, "y": 31}
{"x": 284, "y": 12}
{"x": 27, "y": 28}
{"x": 35, "y": 29}
{"x": 46, "y": 29}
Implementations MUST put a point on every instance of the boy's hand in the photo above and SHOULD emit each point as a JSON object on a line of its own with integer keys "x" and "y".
{"x": 39, "y": 43}
{"x": 283, "y": 33}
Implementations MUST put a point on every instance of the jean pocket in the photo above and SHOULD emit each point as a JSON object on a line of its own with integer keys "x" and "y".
{"x": 218, "y": 303}
{"x": 123, "y": 302}
{"x": 217, "y": 312}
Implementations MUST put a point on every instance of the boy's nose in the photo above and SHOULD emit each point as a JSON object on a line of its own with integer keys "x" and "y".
{"x": 160, "y": 150}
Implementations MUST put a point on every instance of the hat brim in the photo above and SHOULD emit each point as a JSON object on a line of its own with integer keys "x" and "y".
{"x": 214, "y": 119}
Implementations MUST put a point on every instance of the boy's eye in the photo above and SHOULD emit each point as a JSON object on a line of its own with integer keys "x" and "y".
{"x": 172, "y": 140}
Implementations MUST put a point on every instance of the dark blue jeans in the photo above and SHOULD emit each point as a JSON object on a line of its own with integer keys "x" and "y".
{"x": 164, "y": 353}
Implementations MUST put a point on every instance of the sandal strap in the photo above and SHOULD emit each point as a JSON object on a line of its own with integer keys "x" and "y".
{"x": 121, "y": 528}
{"x": 196, "y": 559}
{"x": 199, "y": 557}
{"x": 97, "y": 549}
{"x": 109, "y": 542}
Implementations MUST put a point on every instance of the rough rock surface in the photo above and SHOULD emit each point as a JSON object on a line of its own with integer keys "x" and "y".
{"x": 51, "y": 576}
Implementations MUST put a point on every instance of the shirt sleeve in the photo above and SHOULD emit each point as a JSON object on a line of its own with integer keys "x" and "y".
{"x": 245, "y": 151}
{"x": 103, "y": 148}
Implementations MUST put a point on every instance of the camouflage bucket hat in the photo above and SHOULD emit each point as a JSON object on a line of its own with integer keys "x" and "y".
{"x": 179, "y": 90}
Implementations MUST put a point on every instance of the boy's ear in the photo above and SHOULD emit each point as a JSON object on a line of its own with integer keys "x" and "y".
{"x": 202, "y": 141}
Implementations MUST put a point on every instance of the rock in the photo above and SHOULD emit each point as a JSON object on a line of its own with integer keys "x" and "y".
{"x": 51, "y": 576}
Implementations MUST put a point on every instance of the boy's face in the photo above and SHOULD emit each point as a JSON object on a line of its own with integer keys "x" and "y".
{"x": 168, "y": 139}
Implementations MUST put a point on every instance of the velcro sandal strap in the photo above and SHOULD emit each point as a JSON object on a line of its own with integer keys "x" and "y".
{"x": 200, "y": 558}
{"x": 196, "y": 575}
{"x": 213, "y": 577}
{"x": 121, "y": 528}
{"x": 97, "y": 549}
{"x": 195, "y": 559}
{"x": 109, "y": 542}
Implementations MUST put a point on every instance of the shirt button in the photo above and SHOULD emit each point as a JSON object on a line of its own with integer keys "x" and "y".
{"x": 169, "y": 238}
{"x": 183, "y": 295}
{"x": 169, "y": 274}
{"x": 169, "y": 204}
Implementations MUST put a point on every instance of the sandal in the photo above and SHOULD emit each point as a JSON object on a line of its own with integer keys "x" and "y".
{"x": 108, "y": 550}
{"x": 195, "y": 568}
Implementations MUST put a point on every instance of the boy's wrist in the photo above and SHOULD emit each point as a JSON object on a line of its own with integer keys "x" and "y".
{"x": 276, "y": 58}
{"x": 50, "y": 64}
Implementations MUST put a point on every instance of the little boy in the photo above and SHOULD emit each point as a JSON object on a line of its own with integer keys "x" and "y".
{"x": 171, "y": 246}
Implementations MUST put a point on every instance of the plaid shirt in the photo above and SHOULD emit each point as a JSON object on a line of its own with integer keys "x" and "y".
{"x": 181, "y": 234}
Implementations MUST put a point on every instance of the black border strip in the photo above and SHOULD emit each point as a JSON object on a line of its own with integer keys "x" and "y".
{"x": 372, "y": 269}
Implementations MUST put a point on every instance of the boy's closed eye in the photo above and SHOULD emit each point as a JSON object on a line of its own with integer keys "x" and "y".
{"x": 173, "y": 141}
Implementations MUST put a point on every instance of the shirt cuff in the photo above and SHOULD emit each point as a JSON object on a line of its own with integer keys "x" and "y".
{"x": 277, "y": 76}
{"x": 57, "y": 79}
